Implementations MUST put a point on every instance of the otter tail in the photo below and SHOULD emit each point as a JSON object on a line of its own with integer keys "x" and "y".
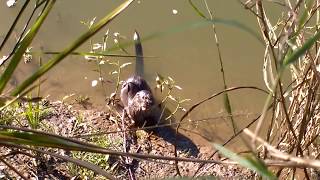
{"x": 139, "y": 55}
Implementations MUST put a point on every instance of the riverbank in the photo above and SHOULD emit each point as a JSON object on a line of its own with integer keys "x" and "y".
{"x": 85, "y": 122}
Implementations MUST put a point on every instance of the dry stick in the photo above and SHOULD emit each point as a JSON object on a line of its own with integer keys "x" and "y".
{"x": 176, "y": 153}
{"x": 314, "y": 105}
{"x": 310, "y": 98}
{"x": 13, "y": 153}
{"x": 199, "y": 134}
{"x": 311, "y": 141}
{"x": 313, "y": 65}
{"x": 150, "y": 127}
{"x": 300, "y": 85}
{"x": 306, "y": 173}
{"x": 285, "y": 24}
{"x": 66, "y": 158}
{"x": 284, "y": 136}
{"x": 312, "y": 12}
{"x": 305, "y": 80}
{"x": 249, "y": 8}
{"x": 284, "y": 156}
{"x": 126, "y": 147}
{"x": 294, "y": 170}
{"x": 13, "y": 168}
{"x": 286, "y": 113}
{"x": 273, "y": 118}
{"x": 290, "y": 126}
{"x": 215, "y": 95}
{"x": 295, "y": 103}
{"x": 133, "y": 155}
{"x": 290, "y": 108}
{"x": 317, "y": 29}
{"x": 317, "y": 156}
{"x": 263, "y": 26}
{"x": 155, "y": 126}
{"x": 228, "y": 141}
{"x": 305, "y": 119}
{"x": 176, "y": 137}
{"x": 265, "y": 32}
{"x": 96, "y": 149}
{"x": 272, "y": 163}
{"x": 282, "y": 164}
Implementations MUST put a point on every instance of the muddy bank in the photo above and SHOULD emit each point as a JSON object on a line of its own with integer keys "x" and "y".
{"x": 76, "y": 121}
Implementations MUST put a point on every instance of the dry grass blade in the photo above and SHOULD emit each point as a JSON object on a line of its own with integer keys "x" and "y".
{"x": 278, "y": 154}
{"x": 217, "y": 94}
{"x": 13, "y": 168}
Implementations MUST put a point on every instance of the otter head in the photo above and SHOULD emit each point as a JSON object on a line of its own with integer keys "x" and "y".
{"x": 130, "y": 88}
{"x": 141, "y": 107}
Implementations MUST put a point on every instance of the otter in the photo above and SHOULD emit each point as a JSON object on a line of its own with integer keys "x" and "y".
{"x": 136, "y": 94}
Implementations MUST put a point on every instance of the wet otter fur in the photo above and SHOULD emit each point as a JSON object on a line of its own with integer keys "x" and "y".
{"x": 139, "y": 103}
{"x": 136, "y": 94}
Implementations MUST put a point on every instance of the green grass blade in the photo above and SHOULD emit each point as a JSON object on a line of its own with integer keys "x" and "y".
{"x": 196, "y": 9}
{"x": 14, "y": 24}
{"x": 37, "y": 139}
{"x": 23, "y": 46}
{"x": 24, "y": 136}
{"x": 248, "y": 162}
{"x": 297, "y": 53}
{"x": 226, "y": 99}
{"x": 58, "y": 58}
{"x": 227, "y": 107}
{"x": 227, "y": 22}
{"x": 191, "y": 26}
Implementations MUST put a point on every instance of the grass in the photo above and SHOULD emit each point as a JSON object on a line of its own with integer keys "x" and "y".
{"x": 101, "y": 160}
{"x": 33, "y": 114}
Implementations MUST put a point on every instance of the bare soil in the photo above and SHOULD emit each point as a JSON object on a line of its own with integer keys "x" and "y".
{"x": 74, "y": 120}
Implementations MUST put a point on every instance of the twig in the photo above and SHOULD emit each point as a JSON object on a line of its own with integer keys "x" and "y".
{"x": 304, "y": 162}
{"x": 152, "y": 127}
{"x": 13, "y": 168}
{"x": 126, "y": 148}
{"x": 66, "y": 158}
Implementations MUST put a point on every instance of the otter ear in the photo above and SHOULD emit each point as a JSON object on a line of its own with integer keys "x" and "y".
{"x": 128, "y": 87}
